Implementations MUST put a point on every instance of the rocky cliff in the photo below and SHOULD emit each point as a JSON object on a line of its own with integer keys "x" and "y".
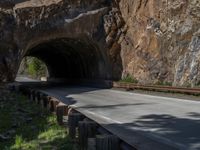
{"x": 160, "y": 40}
{"x": 151, "y": 40}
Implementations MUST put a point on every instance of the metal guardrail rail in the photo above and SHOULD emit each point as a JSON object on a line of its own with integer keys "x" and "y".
{"x": 171, "y": 89}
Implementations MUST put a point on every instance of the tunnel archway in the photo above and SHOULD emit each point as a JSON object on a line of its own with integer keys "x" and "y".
{"x": 32, "y": 68}
{"x": 72, "y": 59}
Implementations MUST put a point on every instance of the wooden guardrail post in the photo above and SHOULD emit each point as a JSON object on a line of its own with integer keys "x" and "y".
{"x": 91, "y": 144}
{"x": 61, "y": 110}
{"x": 29, "y": 93}
{"x": 53, "y": 103}
{"x": 107, "y": 142}
{"x": 87, "y": 129}
{"x": 44, "y": 99}
{"x": 73, "y": 120}
{"x": 49, "y": 102}
{"x": 33, "y": 96}
{"x": 38, "y": 97}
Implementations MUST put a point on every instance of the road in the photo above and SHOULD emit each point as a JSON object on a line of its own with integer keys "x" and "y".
{"x": 25, "y": 79}
{"x": 144, "y": 121}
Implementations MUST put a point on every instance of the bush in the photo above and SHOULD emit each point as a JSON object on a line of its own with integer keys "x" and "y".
{"x": 36, "y": 68}
{"x": 129, "y": 79}
{"x": 164, "y": 83}
{"x": 33, "y": 67}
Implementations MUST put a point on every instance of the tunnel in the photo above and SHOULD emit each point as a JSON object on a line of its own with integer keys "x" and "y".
{"x": 72, "y": 59}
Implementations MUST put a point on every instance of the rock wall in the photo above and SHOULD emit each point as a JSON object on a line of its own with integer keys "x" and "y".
{"x": 151, "y": 40}
{"x": 8, "y": 49}
{"x": 78, "y": 24}
{"x": 160, "y": 40}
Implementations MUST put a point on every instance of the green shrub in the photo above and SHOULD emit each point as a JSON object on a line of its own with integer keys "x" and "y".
{"x": 18, "y": 142}
{"x": 33, "y": 67}
{"x": 164, "y": 83}
{"x": 129, "y": 79}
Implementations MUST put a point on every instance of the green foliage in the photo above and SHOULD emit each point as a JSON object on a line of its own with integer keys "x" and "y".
{"x": 36, "y": 68}
{"x": 164, "y": 83}
{"x": 32, "y": 70}
{"x": 33, "y": 67}
{"x": 187, "y": 84}
{"x": 18, "y": 142}
{"x": 42, "y": 132}
{"x": 129, "y": 79}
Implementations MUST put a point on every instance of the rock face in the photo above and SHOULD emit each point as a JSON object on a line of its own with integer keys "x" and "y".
{"x": 151, "y": 40}
{"x": 160, "y": 40}
{"x": 67, "y": 35}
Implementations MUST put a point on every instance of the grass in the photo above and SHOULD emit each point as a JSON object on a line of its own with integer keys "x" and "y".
{"x": 164, "y": 83}
{"x": 129, "y": 79}
{"x": 29, "y": 127}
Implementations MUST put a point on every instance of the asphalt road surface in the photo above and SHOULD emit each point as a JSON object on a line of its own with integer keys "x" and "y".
{"x": 25, "y": 79}
{"x": 144, "y": 121}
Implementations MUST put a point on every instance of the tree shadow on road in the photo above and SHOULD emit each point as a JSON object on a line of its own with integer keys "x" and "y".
{"x": 183, "y": 131}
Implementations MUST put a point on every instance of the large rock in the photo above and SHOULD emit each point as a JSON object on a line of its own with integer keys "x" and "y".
{"x": 160, "y": 40}
{"x": 151, "y": 40}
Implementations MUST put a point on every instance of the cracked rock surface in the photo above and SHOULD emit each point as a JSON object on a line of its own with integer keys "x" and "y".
{"x": 151, "y": 40}
{"x": 159, "y": 40}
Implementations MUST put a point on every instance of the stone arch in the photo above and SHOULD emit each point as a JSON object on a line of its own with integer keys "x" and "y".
{"x": 62, "y": 32}
{"x": 70, "y": 58}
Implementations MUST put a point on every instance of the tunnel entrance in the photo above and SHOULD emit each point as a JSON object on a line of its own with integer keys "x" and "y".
{"x": 72, "y": 59}
{"x": 33, "y": 69}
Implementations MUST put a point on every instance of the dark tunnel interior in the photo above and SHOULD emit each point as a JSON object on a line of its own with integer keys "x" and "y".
{"x": 72, "y": 59}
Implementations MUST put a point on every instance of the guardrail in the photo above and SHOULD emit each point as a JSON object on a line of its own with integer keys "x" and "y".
{"x": 86, "y": 132}
{"x": 90, "y": 132}
{"x": 171, "y": 89}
